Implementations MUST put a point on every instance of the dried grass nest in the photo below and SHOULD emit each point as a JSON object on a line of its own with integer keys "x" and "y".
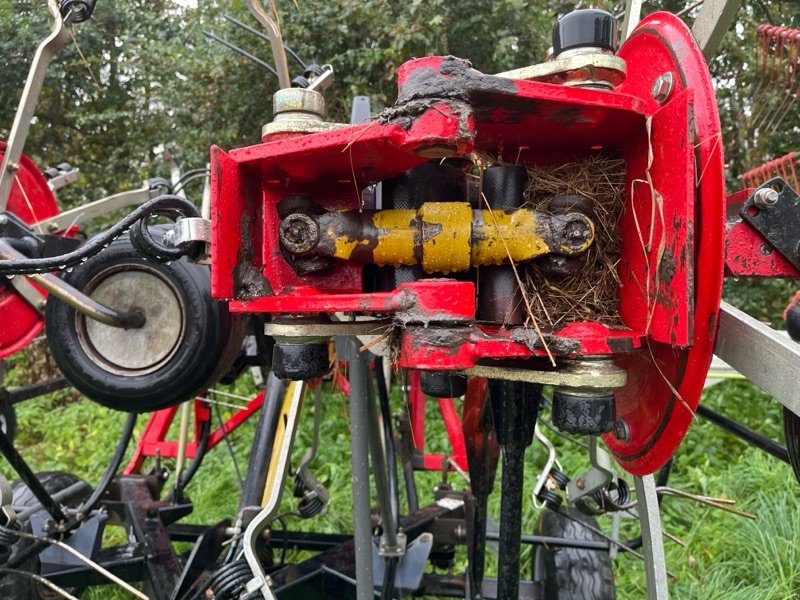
{"x": 592, "y": 293}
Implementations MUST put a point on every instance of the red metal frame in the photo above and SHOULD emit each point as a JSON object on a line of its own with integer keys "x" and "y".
{"x": 31, "y": 200}
{"x": 671, "y": 283}
{"x": 452, "y": 423}
{"x": 154, "y": 442}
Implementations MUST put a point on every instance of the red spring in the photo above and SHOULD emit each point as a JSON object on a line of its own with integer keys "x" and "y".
{"x": 776, "y": 54}
{"x": 783, "y": 167}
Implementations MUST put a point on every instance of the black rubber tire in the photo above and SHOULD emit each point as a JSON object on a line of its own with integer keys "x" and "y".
{"x": 572, "y": 573}
{"x": 210, "y": 336}
{"x": 24, "y": 588}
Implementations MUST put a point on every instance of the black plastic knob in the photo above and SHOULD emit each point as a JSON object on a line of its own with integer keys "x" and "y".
{"x": 588, "y": 28}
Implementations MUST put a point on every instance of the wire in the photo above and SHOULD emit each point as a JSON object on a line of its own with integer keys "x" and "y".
{"x": 39, "y": 579}
{"x": 167, "y": 205}
{"x": 230, "y": 447}
{"x": 113, "y": 465}
{"x": 103, "y": 571}
{"x": 182, "y": 183}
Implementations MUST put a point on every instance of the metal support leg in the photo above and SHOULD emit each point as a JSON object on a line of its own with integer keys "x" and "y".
{"x": 655, "y": 565}
{"x": 514, "y": 406}
{"x": 359, "y": 433}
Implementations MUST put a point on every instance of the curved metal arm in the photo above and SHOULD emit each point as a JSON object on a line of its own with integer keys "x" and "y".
{"x": 275, "y": 41}
{"x": 27, "y": 103}
{"x": 279, "y": 467}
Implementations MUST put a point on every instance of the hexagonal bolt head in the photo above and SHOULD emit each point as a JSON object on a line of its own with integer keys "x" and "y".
{"x": 662, "y": 87}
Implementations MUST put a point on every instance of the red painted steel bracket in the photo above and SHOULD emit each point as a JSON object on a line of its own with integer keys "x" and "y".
{"x": 672, "y": 227}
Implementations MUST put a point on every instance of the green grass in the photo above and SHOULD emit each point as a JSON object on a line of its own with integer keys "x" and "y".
{"x": 726, "y": 556}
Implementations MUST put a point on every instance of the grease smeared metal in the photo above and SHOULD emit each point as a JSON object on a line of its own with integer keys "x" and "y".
{"x": 455, "y": 83}
{"x": 556, "y": 344}
{"x": 248, "y": 280}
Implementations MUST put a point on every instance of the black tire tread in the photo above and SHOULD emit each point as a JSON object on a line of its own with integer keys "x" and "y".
{"x": 574, "y": 573}
{"x": 196, "y": 363}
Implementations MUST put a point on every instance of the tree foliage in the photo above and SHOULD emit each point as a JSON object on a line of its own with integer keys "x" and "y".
{"x": 142, "y": 73}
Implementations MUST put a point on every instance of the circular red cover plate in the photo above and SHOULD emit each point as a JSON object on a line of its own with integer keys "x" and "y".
{"x": 31, "y": 200}
{"x": 665, "y": 382}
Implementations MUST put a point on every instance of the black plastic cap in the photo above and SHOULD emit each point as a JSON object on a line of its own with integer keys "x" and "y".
{"x": 588, "y": 28}
{"x": 442, "y": 384}
{"x": 299, "y": 362}
{"x": 583, "y": 415}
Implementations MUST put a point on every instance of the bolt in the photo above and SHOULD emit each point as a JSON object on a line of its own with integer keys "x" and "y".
{"x": 576, "y": 233}
{"x": 621, "y": 430}
{"x": 52, "y": 227}
{"x": 662, "y": 87}
{"x": 299, "y": 233}
{"x": 765, "y": 198}
{"x": 580, "y": 483}
{"x": 3, "y": 220}
{"x": 12, "y": 167}
{"x": 41, "y": 304}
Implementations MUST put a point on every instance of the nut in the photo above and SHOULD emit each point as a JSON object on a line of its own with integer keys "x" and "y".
{"x": 765, "y": 198}
{"x": 580, "y": 483}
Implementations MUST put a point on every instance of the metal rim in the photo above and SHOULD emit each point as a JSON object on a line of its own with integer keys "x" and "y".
{"x": 90, "y": 333}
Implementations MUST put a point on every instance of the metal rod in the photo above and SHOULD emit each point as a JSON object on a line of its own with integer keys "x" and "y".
{"x": 75, "y": 298}
{"x": 263, "y": 441}
{"x": 559, "y": 542}
{"x": 514, "y": 406}
{"x": 27, "y": 103}
{"x": 745, "y": 433}
{"x": 29, "y": 478}
{"x": 387, "y": 503}
{"x": 766, "y": 357}
{"x": 183, "y": 438}
{"x": 275, "y": 41}
{"x": 61, "y": 496}
{"x": 649, "y": 515}
{"x": 359, "y": 432}
{"x": 32, "y": 390}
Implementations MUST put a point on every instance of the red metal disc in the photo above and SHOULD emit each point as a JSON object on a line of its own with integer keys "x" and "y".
{"x": 665, "y": 381}
{"x": 31, "y": 200}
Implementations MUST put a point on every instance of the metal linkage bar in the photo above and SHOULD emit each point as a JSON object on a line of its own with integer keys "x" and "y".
{"x": 274, "y": 489}
{"x": 748, "y": 435}
{"x": 30, "y": 97}
{"x": 655, "y": 565}
{"x": 711, "y": 24}
{"x": 763, "y": 355}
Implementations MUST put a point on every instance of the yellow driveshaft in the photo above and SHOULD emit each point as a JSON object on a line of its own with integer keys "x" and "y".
{"x": 441, "y": 236}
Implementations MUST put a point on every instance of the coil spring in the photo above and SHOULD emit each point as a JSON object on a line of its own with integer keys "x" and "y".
{"x": 229, "y": 581}
{"x": 310, "y": 504}
{"x": 601, "y": 501}
{"x": 549, "y": 498}
{"x": 560, "y": 478}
